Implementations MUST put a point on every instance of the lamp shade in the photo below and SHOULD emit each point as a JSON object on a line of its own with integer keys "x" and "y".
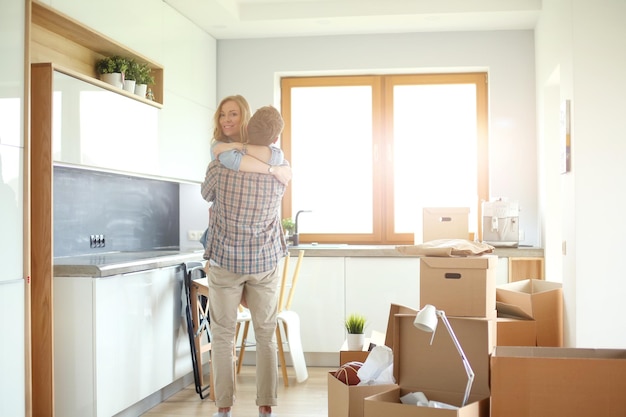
{"x": 426, "y": 319}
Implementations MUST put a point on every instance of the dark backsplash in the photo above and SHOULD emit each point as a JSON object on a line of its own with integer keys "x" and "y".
{"x": 133, "y": 213}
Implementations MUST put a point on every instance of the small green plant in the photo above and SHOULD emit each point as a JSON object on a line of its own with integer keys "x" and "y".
{"x": 112, "y": 64}
{"x": 288, "y": 225}
{"x": 144, "y": 74}
{"x": 133, "y": 70}
{"x": 355, "y": 323}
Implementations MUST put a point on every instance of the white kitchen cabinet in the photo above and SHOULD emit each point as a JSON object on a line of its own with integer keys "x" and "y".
{"x": 373, "y": 284}
{"x": 12, "y": 349}
{"x": 319, "y": 301}
{"x": 115, "y": 340}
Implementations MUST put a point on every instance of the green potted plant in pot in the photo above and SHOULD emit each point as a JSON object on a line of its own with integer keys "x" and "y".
{"x": 288, "y": 226}
{"x": 131, "y": 74}
{"x": 144, "y": 78}
{"x": 355, "y": 324}
{"x": 112, "y": 69}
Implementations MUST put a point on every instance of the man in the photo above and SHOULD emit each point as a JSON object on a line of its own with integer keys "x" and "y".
{"x": 244, "y": 244}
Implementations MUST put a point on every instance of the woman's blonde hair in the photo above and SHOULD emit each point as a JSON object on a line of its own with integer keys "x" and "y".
{"x": 244, "y": 109}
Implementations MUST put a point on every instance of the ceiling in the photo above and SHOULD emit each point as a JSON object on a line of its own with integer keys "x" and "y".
{"x": 240, "y": 19}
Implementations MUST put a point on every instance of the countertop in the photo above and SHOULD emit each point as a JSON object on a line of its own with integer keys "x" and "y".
{"x": 342, "y": 250}
{"x": 114, "y": 263}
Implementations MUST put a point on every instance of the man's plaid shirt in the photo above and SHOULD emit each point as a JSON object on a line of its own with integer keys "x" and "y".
{"x": 245, "y": 234}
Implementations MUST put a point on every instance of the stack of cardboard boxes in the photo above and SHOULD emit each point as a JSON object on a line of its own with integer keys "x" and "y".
{"x": 465, "y": 289}
{"x": 520, "y": 366}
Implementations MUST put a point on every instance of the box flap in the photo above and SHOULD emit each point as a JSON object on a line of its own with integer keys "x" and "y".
{"x": 530, "y": 286}
{"x": 465, "y": 262}
{"x": 446, "y": 210}
{"x": 511, "y": 310}
{"x": 395, "y": 309}
{"x": 418, "y": 365}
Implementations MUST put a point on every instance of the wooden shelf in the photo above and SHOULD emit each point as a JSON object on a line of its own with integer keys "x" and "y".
{"x": 67, "y": 43}
{"x": 525, "y": 268}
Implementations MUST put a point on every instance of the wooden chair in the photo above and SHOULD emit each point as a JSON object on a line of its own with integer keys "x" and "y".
{"x": 198, "y": 320}
{"x": 284, "y": 316}
{"x": 196, "y": 311}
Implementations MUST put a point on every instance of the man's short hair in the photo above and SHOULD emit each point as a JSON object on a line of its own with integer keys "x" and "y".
{"x": 265, "y": 125}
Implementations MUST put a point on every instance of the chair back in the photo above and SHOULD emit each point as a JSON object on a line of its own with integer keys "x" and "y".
{"x": 294, "y": 280}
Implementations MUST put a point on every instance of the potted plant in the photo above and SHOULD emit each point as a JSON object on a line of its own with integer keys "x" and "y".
{"x": 112, "y": 69}
{"x": 131, "y": 74}
{"x": 143, "y": 78}
{"x": 288, "y": 226}
{"x": 355, "y": 323}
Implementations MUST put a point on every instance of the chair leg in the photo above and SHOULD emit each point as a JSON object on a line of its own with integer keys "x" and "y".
{"x": 281, "y": 355}
{"x": 242, "y": 349}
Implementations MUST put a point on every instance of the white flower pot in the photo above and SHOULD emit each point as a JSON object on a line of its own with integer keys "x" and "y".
{"x": 356, "y": 341}
{"x": 114, "y": 78}
{"x": 140, "y": 89}
{"x": 129, "y": 85}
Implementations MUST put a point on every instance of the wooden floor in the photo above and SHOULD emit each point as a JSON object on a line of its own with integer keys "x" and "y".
{"x": 307, "y": 399}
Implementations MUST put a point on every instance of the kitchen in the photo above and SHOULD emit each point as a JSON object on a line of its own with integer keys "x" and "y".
{"x": 575, "y": 52}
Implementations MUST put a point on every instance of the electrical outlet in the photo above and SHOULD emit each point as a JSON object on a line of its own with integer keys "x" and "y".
{"x": 97, "y": 241}
{"x": 194, "y": 234}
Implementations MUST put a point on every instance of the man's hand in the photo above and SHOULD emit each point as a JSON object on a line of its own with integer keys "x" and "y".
{"x": 282, "y": 173}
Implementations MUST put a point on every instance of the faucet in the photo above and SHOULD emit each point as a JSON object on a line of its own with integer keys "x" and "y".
{"x": 295, "y": 238}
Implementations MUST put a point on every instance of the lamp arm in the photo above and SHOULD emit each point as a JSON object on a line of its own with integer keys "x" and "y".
{"x": 466, "y": 364}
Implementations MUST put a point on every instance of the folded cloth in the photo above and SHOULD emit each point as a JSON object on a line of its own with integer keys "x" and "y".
{"x": 446, "y": 248}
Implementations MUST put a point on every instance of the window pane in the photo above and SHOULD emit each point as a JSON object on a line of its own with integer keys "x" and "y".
{"x": 331, "y": 152}
{"x": 435, "y": 146}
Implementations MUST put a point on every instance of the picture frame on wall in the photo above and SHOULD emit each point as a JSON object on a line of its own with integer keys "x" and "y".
{"x": 566, "y": 137}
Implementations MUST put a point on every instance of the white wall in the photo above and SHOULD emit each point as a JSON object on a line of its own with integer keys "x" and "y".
{"x": 581, "y": 51}
{"x": 253, "y": 67}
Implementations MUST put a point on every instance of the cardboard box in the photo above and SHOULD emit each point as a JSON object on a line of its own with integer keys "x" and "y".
{"x": 393, "y": 310}
{"x": 445, "y": 223}
{"x": 437, "y": 369}
{"x": 347, "y": 400}
{"x": 535, "y": 299}
{"x": 516, "y": 332}
{"x": 548, "y": 382}
{"x": 461, "y": 286}
{"x": 346, "y": 356}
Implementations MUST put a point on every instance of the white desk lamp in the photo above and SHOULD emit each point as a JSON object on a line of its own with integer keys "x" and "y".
{"x": 426, "y": 320}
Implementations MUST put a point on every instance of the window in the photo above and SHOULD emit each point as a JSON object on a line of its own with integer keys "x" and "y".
{"x": 369, "y": 152}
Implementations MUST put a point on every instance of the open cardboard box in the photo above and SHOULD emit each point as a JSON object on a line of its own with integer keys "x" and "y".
{"x": 437, "y": 369}
{"x": 460, "y": 286}
{"x": 538, "y": 300}
{"x": 549, "y": 381}
{"x": 516, "y": 332}
{"x": 347, "y": 400}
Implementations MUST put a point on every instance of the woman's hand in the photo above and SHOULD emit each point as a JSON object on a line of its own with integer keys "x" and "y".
{"x": 282, "y": 173}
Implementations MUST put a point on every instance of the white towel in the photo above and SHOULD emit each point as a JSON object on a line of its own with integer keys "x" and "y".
{"x": 292, "y": 320}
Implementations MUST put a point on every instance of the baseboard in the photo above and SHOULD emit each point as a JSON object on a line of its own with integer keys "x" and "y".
{"x": 156, "y": 398}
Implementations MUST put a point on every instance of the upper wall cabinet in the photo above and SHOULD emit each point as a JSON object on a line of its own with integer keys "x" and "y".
{"x": 94, "y": 127}
{"x": 65, "y": 42}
